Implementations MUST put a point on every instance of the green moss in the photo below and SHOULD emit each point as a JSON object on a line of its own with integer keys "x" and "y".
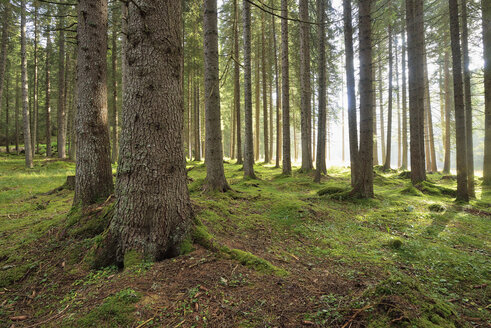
{"x": 13, "y": 273}
{"x": 186, "y": 246}
{"x": 438, "y": 208}
{"x": 411, "y": 190}
{"x": 330, "y": 190}
{"x": 395, "y": 243}
{"x": 132, "y": 258}
{"x": 88, "y": 226}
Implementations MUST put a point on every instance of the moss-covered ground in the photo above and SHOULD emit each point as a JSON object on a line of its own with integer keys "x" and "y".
{"x": 274, "y": 252}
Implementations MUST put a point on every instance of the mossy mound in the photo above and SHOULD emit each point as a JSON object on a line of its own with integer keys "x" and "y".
{"x": 435, "y": 190}
{"x": 330, "y": 190}
{"x": 395, "y": 243}
{"x": 89, "y": 224}
{"x": 438, "y": 208}
{"x": 411, "y": 190}
{"x": 405, "y": 175}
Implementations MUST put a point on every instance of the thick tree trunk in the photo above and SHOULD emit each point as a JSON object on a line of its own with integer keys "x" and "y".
{"x": 321, "y": 131}
{"x": 249, "y": 143}
{"x": 285, "y": 85}
{"x": 404, "y": 105}
{"x": 389, "y": 107}
{"x": 4, "y": 44}
{"x": 448, "y": 105}
{"x": 350, "y": 84}
{"x": 460, "y": 133}
{"x": 114, "y": 66}
{"x": 62, "y": 119}
{"x": 47, "y": 104}
{"x": 25, "y": 91}
{"x": 153, "y": 211}
{"x": 468, "y": 103}
{"x": 215, "y": 173}
{"x": 486, "y": 23}
{"x": 237, "y": 84}
{"x": 265, "y": 91}
{"x": 93, "y": 179}
{"x": 415, "y": 38}
{"x": 364, "y": 183}
{"x": 305, "y": 92}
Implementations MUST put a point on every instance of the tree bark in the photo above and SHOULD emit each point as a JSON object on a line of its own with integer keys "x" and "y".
{"x": 486, "y": 23}
{"x": 215, "y": 173}
{"x": 364, "y": 184}
{"x": 3, "y": 51}
{"x": 404, "y": 105}
{"x": 321, "y": 131}
{"x": 431, "y": 137}
{"x": 265, "y": 91}
{"x": 448, "y": 105}
{"x": 153, "y": 212}
{"x": 237, "y": 84}
{"x": 249, "y": 143}
{"x": 415, "y": 38}
{"x": 114, "y": 66}
{"x": 460, "y": 133}
{"x": 34, "y": 137}
{"x": 305, "y": 100}
{"x": 389, "y": 106}
{"x": 7, "y": 106}
{"x": 381, "y": 105}
{"x": 62, "y": 119}
{"x": 257, "y": 95}
{"x": 93, "y": 179}
{"x": 47, "y": 103}
{"x": 278, "y": 98}
{"x": 374, "y": 117}
{"x": 398, "y": 95}
{"x": 285, "y": 85}
{"x": 17, "y": 109}
{"x": 468, "y": 103}
{"x": 25, "y": 91}
{"x": 350, "y": 84}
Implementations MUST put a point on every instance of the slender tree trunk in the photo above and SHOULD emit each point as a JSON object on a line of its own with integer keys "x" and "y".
{"x": 93, "y": 179}
{"x": 398, "y": 95}
{"x": 17, "y": 110}
{"x": 374, "y": 117}
{"x": 305, "y": 100}
{"x": 404, "y": 105}
{"x": 321, "y": 130}
{"x": 364, "y": 184}
{"x": 381, "y": 105}
{"x": 237, "y": 84}
{"x": 285, "y": 84}
{"x": 249, "y": 143}
{"x": 460, "y": 133}
{"x": 389, "y": 106}
{"x": 153, "y": 211}
{"x": 25, "y": 91}
{"x": 34, "y": 137}
{"x": 265, "y": 92}
{"x": 4, "y": 45}
{"x": 215, "y": 173}
{"x": 7, "y": 106}
{"x": 114, "y": 66}
{"x": 71, "y": 106}
{"x": 257, "y": 94}
{"x": 47, "y": 103}
{"x": 415, "y": 36}
{"x": 190, "y": 115}
{"x": 197, "y": 123}
{"x": 278, "y": 98}
{"x": 468, "y": 103}
{"x": 62, "y": 119}
{"x": 429, "y": 119}
{"x": 448, "y": 105}
{"x": 486, "y": 23}
{"x": 233, "y": 128}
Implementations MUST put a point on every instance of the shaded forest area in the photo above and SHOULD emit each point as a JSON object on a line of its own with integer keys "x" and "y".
{"x": 254, "y": 163}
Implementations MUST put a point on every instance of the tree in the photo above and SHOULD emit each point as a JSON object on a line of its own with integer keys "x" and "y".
{"x": 4, "y": 44}
{"x": 486, "y": 23}
{"x": 415, "y": 41}
{"x": 278, "y": 97}
{"x": 305, "y": 103}
{"x": 460, "y": 133}
{"x": 448, "y": 104}
{"x": 350, "y": 79}
{"x": 114, "y": 80}
{"x": 34, "y": 137}
{"x": 93, "y": 179}
{"x": 47, "y": 104}
{"x": 321, "y": 133}
{"x": 389, "y": 113}
{"x": 364, "y": 182}
{"x": 25, "y": 91}
{"x": 237, "y": 84}
{"x": 215, "y": 175}
{"x": 285, "y": 84}
{"x": 62, "y": 119}
{"x": 153, "y": 212}
{"x": 404, "y": 104}
{"x": 249, "y": 145}
{"x": 265, "y": 91}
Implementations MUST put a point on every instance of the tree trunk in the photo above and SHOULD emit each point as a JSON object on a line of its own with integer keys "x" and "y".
{"x": 197, "y": 123}
{"x": 7, "y": 107}
{"x": 93, "y": 179}
{"x": 25, "y": 91}
{"x": 468, "y": 103}
{"x": 34, "y": 137}
{"x": 381, "y": 105}
{"x": 237, "y": 83}
{"x": 47, "y": 105}
{"x": 389, "y": 106}
{"x": 61, "y": 140}
{"x": 321, "y": 130}
{"x": 265, "y": 92}
{"x": 486, "y": 23}
{"x": 3, "y": 51}
{"x": 114, "y": 66}
{"x": 404, "y": 105}
{"x": 249, "y": 143}
{"x": 460, "y": 135}
{"x": 448, "y": 105}
{"x": 70, "y": 92}
{"x": 17, "y": 109}
{"x": 429, "y": 118}
{"x": 278, "y": 98}
{"x": 257, "y": 103}
{"x": 399, "y": 125}
{"x": 364, "y": 183}
{"x": 285, "y": 85}
{"x": 215, "y": 174}
{"x": 415, "y": 38}
{"x": 305, "y": 101}
{"x": 153, "y": 211}
{"x": 374, "y": 117}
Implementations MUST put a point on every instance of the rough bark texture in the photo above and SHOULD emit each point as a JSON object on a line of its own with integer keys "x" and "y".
{"x": 486, "y": 23}
{"x": 215, "y": 174}
{"x": 321, "y": 131}
{"x": 448, "y": 105}
{"x": 374, "y": 116}
{"x": 47, "y": 103}
{"x": 415, "y": 40}
{"x": 197, "y": 124}
{"x": 381, "y": 105}
{"x": 404, "y": 105}
{"x": 468, "y": 103}
{"x": 25, "y": 91}
{"x": 285, "y": 85}
{"x": 17, "y": 109}
{"x": 114, "y": 78}
{"x": 265, "y": 91}
{"x": 278, "y": 97}
{"x": 93, "y": 180}
{"x": 237, "y": 84}
{"x": 153, "y": 211}
{"x": 62, "y": 119}
{"x": 305, "y": 92}
{"x": 7, "y": 107}
{"x": 257, "y": 103}
{"x": 248, "y": 146}
{"x": 429, "y": 120}
{"x": 34, "y": 137}
{"x": 3, "y": 51}
{"x": 350, "y": 79}
{"x": 398, "y": 104}
{"x": 389, "y": 107}
{"x": 460, "y": 133}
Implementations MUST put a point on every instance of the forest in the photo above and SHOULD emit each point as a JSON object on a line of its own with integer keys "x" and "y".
{"x": 245, "y": 163}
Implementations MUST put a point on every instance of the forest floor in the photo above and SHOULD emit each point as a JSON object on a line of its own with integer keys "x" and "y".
{"x": 403, "y": 259}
